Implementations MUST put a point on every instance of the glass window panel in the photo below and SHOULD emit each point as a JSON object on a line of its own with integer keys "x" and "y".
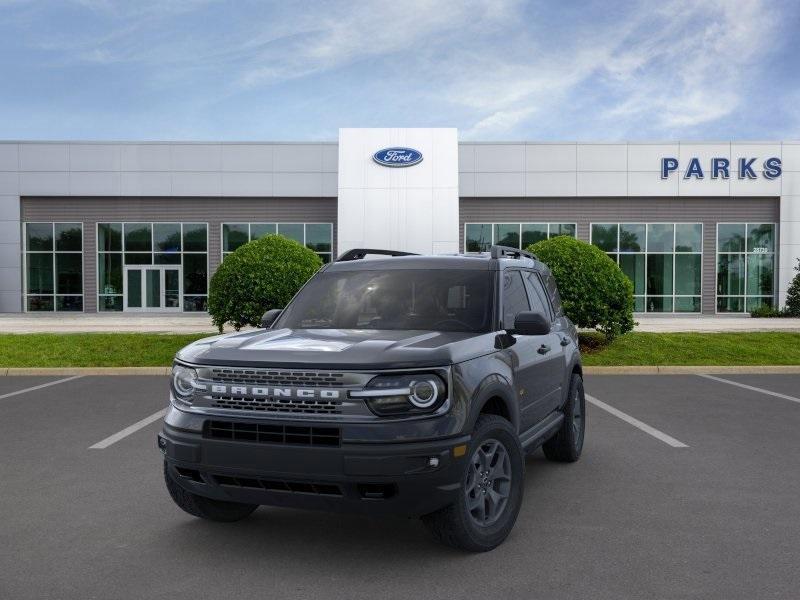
{"x": 604, "y": 236}
{"x": 479, "y": 237}
{"x": 638, "y": 304}
{"x": 532, "y": 233}
{"x": 109, "y": 237}
{"x": 195, "y": 303}
{"x": 109, "y": 280}
{"x": 562, "y": 229}
{"x": 172, "y": 297}
{"x": 39, "y": 237}
{"x": 754, "y": 302}
{"x": 152, "y": 282}
{"x": 69, "y": 272}
{"x": 195, "y": 237}
{"x": 109, "y": 303}
{"x": 132, "y": 258}
{"x": 69, "y": 303}
{"x": 137, "y": 237}
{"x": 760, "y": 274}
{"x": 326, "y": 258}
{"x": 660, "y": 237}
{"x": 659, "y": 274}
{"x": 730, "y": 275}
{"x": 259, "y": 230}
{"x": 234, "y": 236}
{"x": 659, "y": 304}
{"x": 683, "y": 304}
{"x": 40, "y": 273}
{"x": 688, "y": 237}
{"x": 633, "y": 266}
{"x": 134, "y": 288}
{"x": 167, "y": 259}
{"x": 730, "y": 304}
{"x": 730, "y": 237}
{"x": 515, "y": 299}
{"x": 69, "y": 237}
{"x": 319, "y": 237}
{"x": 167, "y": 237}
{"x": 760, "y": 237}
{"x": 688, "y": 269}
{"x": 195, "y": 273}
{"x": 507, "y": 235}
{"x": 39, "y": 303}
{"x": 293, "y": 231}
{"x": 631, "y": 237}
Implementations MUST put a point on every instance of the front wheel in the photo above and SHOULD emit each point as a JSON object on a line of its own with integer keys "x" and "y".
{"x": 491, "y": 490}
{"x": 205, "y": 508}
{"x": 566, "y": 445}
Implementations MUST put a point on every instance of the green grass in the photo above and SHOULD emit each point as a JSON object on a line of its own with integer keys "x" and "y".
{"x": 153, "y": 350}
{"x": 717, "y": 349}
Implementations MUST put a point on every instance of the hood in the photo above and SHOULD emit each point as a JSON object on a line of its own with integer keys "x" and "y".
{"x": 338, "y": 348}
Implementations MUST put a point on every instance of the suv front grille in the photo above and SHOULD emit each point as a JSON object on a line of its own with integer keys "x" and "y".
{"x": 279, "y": 405}
{"x": 269, "y": 377}
{"x": 270, "y": 485}
{"x": 264, "y": 433}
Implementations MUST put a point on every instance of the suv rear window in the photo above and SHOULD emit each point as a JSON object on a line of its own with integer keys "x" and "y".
{"x": 412, "y": 299}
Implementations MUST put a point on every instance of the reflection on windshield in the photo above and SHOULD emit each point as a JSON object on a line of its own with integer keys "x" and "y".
{"x": 435, "y": 300}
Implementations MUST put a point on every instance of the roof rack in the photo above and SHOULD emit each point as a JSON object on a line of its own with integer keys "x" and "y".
{"x": 359, "y": 253}
{"x": 508, "y": 252}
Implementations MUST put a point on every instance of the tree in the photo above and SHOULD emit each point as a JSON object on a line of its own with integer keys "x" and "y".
{"x": 793, "y": 294}
{"x": 594, "y": 291}
{"x": 260, "y": 275}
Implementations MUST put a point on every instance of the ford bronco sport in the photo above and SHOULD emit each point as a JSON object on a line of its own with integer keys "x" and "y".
{"x": 407, "y": 385}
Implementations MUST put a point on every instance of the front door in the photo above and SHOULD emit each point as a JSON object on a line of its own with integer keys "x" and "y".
{"x": 153, "y": 288}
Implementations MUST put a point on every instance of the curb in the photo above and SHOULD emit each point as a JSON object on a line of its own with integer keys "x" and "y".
{"x": 629, "y": 370}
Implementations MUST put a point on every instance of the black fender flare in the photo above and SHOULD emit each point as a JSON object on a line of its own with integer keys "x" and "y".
{"x": 494, "y": 386}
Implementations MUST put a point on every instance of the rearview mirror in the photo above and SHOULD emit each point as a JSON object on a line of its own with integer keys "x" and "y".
{"x": 531, "y": 323}
{"x": 270, "y": 317}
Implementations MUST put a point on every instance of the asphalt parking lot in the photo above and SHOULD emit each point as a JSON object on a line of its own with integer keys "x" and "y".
{"x": 688, "y": 488}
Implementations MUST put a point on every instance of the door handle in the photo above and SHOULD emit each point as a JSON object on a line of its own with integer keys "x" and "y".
{"x": 543, "y": 349}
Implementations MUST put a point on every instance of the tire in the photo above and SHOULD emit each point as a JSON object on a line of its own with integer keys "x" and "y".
{"x": 457, "y": 525}
{"x": 566, "y": 445}
{"x": 206, "y": 508}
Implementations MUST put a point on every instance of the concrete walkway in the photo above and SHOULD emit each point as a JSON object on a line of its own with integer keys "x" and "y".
{"x": 188, "y": 323}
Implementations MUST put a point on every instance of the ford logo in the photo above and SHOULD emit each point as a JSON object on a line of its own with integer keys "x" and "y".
{"x": 397, "y": 157}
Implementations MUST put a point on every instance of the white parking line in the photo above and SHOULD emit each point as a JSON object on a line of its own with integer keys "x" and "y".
{"x": 39, "y": 387}
{"x": 659, "y": 435}
{"x": 113, "y": 439}
{"x": 751, "y": 387}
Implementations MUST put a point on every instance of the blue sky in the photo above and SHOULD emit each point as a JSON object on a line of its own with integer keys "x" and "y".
{"x": 496, "y": 69}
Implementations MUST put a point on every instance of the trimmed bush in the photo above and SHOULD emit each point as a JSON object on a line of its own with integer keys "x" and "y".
{"x": 595, "y": 293}
{"x": 793, "y": 294}
{"x": 258, "y": 276}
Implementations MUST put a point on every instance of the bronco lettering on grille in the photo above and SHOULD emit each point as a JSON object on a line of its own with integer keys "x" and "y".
{"x": 244, "y": 390}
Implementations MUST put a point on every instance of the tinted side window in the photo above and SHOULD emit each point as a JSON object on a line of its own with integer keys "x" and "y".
{"x": 552, "y": 291}
{"x": 536, "y": 294}
{"x": 515, "y": 300}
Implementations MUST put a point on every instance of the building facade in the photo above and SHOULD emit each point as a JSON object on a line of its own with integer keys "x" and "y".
{"x": 700, "y": 228}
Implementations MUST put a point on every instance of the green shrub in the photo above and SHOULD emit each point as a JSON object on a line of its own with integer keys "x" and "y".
{"x": 764, "y": 312}
{"x": 258, "y": 276}
{"x": 595, "y": 293}
{"x": 793, "y": 294}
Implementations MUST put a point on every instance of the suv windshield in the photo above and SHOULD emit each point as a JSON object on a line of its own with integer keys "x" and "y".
{"x": 435, "y": 300}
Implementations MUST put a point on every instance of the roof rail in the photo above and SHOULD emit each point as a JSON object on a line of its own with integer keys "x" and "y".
{"x": 359, "y": 253}
{"x": 508, "y": 252}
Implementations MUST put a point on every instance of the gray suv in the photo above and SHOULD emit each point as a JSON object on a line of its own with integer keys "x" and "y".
{"x": 405, "y": 385}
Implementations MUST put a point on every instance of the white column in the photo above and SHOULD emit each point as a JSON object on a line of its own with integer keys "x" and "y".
{"x": 789, "y": 250}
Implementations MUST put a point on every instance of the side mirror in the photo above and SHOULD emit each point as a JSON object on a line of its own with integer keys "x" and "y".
{"x": 531, "y": 323}
{"x": 270, "y": 317}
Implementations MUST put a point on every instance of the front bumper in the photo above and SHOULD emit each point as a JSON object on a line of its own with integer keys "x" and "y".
{"x": 400, "y": 478}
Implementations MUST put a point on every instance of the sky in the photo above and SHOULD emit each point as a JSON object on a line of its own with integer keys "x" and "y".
{"x": 495, "y": 69}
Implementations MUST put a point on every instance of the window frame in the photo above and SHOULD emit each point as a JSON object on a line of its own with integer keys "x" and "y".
{"x": 674, "y": 296}
{"x": 519, "y": 225}
{"x": 223, "y": 253}
{"x": 52, "y": 253}
{"x": 746, "y": 253}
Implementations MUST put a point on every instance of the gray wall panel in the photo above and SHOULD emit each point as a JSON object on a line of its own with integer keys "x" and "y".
{"x": 213, "y": 211}
{"x": 584, "y": 211}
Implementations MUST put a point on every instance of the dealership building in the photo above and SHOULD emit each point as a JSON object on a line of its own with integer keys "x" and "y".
{"x": 700, "y": 228}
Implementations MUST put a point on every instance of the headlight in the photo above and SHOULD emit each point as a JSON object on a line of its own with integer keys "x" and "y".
{"x": 403, "y": 394}
{"x": 183, "y": 379}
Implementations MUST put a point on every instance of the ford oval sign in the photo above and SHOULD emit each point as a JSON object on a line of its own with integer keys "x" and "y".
{"x": 397, "y": 157}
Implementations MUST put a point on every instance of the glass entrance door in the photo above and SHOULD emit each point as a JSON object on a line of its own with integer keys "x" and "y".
{"x": 153, "y": 288}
